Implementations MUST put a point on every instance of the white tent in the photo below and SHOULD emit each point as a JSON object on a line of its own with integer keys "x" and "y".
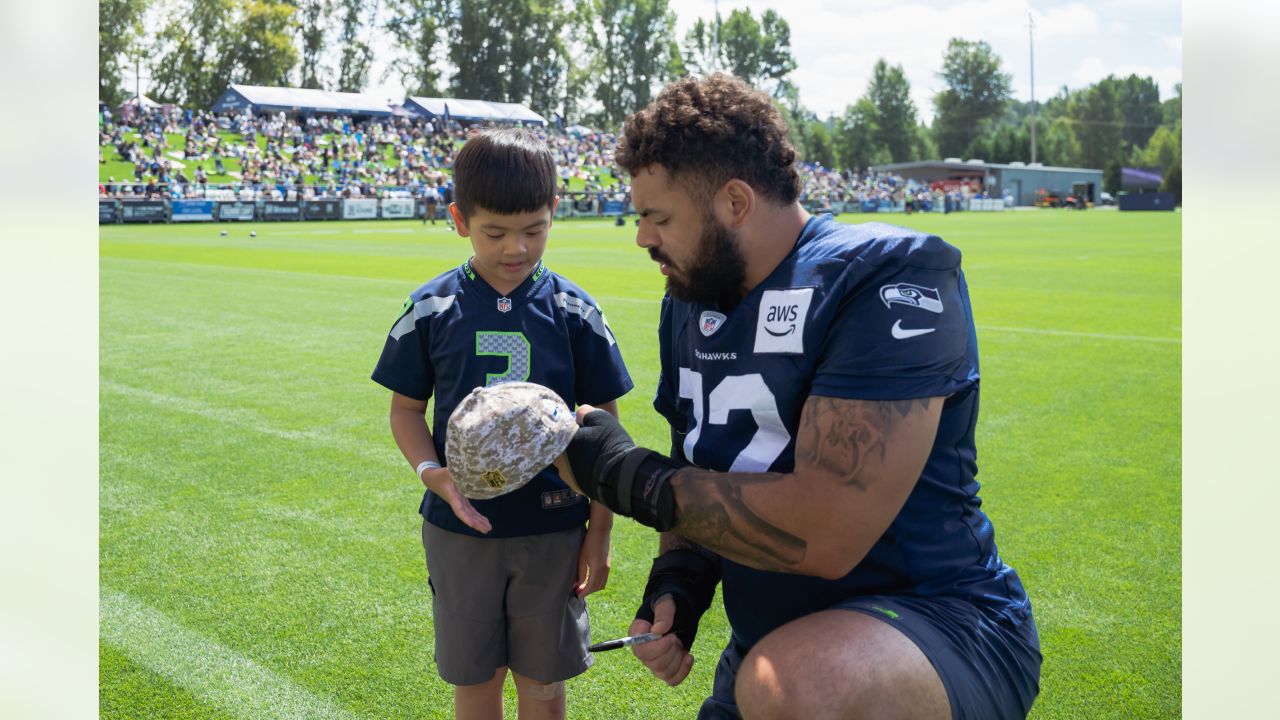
{"x": 285, "y": 99}
{"x": 473, "y": 110}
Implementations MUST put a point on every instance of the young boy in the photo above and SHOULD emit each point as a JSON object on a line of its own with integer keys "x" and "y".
{"x": 508, "y": 575}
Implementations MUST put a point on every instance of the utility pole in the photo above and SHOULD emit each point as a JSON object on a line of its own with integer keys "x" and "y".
{"x": 1031, "y": 33}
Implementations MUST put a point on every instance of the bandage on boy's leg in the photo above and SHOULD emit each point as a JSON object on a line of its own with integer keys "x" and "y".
{"x": 533, "y": 690}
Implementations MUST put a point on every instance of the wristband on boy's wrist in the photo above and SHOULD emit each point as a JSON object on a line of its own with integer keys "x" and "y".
{"x": 427, "y": 465}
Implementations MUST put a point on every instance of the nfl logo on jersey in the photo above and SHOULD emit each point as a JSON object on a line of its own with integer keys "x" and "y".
{"x": 710, "y": 322}
{"x": 504, "y": 304}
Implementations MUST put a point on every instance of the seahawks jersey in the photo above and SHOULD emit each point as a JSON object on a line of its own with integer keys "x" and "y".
{"x": 457, "y": 333}
{"x": 870, "y": 312}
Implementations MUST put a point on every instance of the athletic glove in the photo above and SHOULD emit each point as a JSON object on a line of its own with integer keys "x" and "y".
{"x": 690, "y": 578}
{"x": 631, "y": 481}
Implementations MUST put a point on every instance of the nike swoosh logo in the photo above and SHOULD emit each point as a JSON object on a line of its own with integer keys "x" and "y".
{"x": 901, "y": 333}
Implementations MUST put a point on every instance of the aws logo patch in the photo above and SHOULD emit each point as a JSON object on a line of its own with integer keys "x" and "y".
{"x": 780, "y": 325}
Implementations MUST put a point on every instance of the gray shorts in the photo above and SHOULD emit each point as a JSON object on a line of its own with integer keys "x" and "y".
{"x": 507, "y": 602}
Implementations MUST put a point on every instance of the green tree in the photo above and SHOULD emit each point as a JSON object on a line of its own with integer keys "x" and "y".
{"x": 628, "y": 66}
{"x": 759, "y": 52}
{"x": 1098, "y": 125}
{"x": 313, "y": 21}
{"x": 479, "y": 48}
{"x": 1173, "y": 182}
{"x": 923, "y": 147}
{"x": 264, "y": 46}
{"x": 206, "y": 45}
{"x": 895, "y": 113}
{"x": 1139, "y": 101}
{"x": 1058, "y": 144}
{"x": 977, "y": 91}
{"x": 356, "y": 55}
{"x": 857, "y": 142}
{"x": 698, "y": 51}
{"x": 119, "y": 28}
{"x": 414, "y": 26}
{"x": 741, "y": 45}
{"x": 193, "y": 57}
{"x": 543, "y": 55}
{"x": 776, "y": 60}
{"x": 1113, "y": 178}
{"x": 1171, "y": 109}
{"x": 820, "y": 146}
{"x": 1163, "y": 150}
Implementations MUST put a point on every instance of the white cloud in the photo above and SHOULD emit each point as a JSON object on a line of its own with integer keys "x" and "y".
{"x": 1093, "y": 69}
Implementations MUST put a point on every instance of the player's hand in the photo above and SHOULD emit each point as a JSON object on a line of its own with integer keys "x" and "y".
{"x": 600, "y": 440}
{"x": 667, "y": 658}
{"x": 593, "y": 562}
{"x": 440, "y": 482}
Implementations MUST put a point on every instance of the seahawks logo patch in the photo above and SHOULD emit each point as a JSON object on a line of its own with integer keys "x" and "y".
{"x": 916, "y": 296}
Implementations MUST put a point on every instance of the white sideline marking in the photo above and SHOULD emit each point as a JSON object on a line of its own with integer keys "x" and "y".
{"x": 210, "y": 670}
{"x": 249, "y": 421}
{"x": 1073, "y": 333}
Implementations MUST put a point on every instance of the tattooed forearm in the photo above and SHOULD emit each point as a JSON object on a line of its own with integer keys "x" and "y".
{"x": 848, "y": 457}
{"x": 714, "y": 514}
{"x": 841, "y": 439}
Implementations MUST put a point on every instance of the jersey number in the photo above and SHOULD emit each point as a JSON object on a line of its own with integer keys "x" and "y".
{"x": 737, "y": 392}
{"x": 512, "y": 345}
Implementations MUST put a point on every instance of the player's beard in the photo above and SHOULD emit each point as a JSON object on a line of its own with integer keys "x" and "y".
{"x": 716, "y": 272}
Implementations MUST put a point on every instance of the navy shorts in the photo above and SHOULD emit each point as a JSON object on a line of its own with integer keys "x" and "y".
{"x": 989, "y": 666}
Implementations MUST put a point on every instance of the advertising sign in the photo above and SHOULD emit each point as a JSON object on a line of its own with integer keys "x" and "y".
{"x": 281, "y": 210}
{"x": 397, "y": 208}
{"x": 322, "y": 209}
{"x": 236, "y": 210}
{"x": 360, "y": 209}
{"x": 142, "y": 211}
{"x": 192, "y": 210}
{"x": 108, "y": 211}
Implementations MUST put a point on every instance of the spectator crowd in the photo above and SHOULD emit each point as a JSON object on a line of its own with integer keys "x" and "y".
{"x": 279, "y": 157}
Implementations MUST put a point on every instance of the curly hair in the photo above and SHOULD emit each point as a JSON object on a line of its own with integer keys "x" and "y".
{"x": 707, "y": 131}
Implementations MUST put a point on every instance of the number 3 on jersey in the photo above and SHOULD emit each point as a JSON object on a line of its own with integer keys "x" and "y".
{"x": 512, "y": 345}
{"x": 737, "y": 392}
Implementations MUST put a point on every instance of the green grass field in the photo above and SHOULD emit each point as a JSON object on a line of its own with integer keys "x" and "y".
{"x": 260, "y": 551}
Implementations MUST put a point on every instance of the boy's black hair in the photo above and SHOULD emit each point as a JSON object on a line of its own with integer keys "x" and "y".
{"x": 504, "y": 171}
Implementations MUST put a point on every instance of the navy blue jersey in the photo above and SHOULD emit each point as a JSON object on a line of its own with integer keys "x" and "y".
{"x": 870, "y": 312}
{"x": 457, "y": 333}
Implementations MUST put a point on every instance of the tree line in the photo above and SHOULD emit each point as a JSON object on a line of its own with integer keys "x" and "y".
{"x": 595, "y": 61}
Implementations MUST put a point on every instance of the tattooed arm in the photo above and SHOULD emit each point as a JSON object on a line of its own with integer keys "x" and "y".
{"x": 856, "y": 463}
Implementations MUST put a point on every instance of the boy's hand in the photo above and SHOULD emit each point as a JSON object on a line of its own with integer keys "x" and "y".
{"x": 593, "y": 561}
{"x": 440, "y": 482}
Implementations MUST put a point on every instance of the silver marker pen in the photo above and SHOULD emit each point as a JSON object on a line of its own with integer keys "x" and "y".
{"x": 624, "y": 642}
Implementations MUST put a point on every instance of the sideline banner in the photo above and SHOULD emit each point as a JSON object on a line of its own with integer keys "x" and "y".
{"x": 397, "y": 208}
{"x": 236, "y": 210}
{"x": 108, "y": 211}
{"x": 281, "y": 210}
{"x": 142, "y": 211}
{"x": 613, "y": 207}
{"x": 1146, "y": 201}
{"x": 192, "y": 211}
{"x": 360, "y": 209}
{"x": 322, "y": 209}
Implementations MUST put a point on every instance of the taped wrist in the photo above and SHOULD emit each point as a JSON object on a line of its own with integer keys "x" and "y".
{"x": 690, "y": 578}
{"x": 637, "y": 484}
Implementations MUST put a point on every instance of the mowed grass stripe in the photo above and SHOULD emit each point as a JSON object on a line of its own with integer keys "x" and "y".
{"x": 213, "y": 672}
